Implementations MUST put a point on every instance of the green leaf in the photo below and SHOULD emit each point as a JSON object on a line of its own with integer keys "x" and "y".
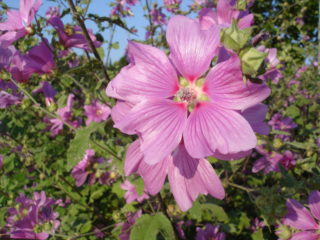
{"x": 235, "y": 38}
{"x": 196, "y": 212}
{"x": 138, "y": 182}
{"x": 148, "y": 227}
{"x": 251, "y": 60}
{"x": 257, "y": 235}
{"x": 216, "y": 211}
{"x": 101, "y": 52}
{"x": 86, "y": 227}
{"x": 292, "y": 111}
{"x": 80, "y": 144}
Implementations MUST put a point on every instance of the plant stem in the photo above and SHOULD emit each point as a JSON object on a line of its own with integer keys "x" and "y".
{"x": 88, "y": 38}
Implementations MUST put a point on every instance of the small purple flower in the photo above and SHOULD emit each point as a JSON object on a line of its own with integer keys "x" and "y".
{"x": 305, "y": 223}
{"x": 1, "y": 161}
{"x": 210, "y": 232}
{"x": 41, "y": 58}
{"x": 131, "y": 194}
{"x": 256, "y": 225}
{"x": 270, "y": 160}
{"x": 126, "y": 226}
{"x": 48, "y": 91}
{"x": 88, "y": 169}
{"x": 172, "y": 5}
{"x": 70, "y": 36}
{"x": 158, "y": 18}
{"x": 19, "y": 68}
{"x": 65, "y": 113}
{"x": 96, "y": 112}
{"x": 278, "y": 122}
{"x": 272, "y": 72}
{"x": 33, "y": 218}
{"x": 7, "y": 100}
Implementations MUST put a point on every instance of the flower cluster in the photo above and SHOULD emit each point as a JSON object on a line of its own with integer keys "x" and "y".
{"x": 33, "y": 218}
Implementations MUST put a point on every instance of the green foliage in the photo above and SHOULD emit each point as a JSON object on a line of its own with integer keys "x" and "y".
{"x": 148, "y": 227}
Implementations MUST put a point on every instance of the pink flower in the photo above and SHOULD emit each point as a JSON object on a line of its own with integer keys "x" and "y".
{"x": 48, "y": 91}
{"x": 18, "y": 23}
{"x": 126, "y": 226}
{"x": 96, "y": 112}
{"x": 171, "y": 105}
{"x": 270, "y": 161}
{"x": 299, "y": 218}
{"x": 210, "y": 232}
{"x": 70, "y": 36}
{"x": 88, "y": 169}
{"x": 1, "y": 161}
{"x": 172, "y": 5}
{"x": 226, "y": 11}
{"x": 157, "y": 16}
{"x": 65, "y": 114}
{"x": 131, "y": 194}
{"x": 182, "y": 116}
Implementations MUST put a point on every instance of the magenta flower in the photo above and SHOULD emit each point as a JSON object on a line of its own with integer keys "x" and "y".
{"x": 48, "y": 91}
{"x": 96, "y": 112}
{"x": 171, "y": 105}
{"x": 158, "y": 18}
{"x": 172, "y": 5}
{"x": 270, "y": 160}
{"x": 210, "y": 232}
{"x": 41, "y": 58}
{"x": 281, "y": 123}
{"x": 8, "y": 94}
{"x": 88, "y": 169}
{"x": 65, "y": 114}
{"x": 1, "y": 161}
{"x": 33, "y": 218}
{"x": 226, "y": 11}
{"x": 126, "y": 226}
{"x": 18, "y": 22}
{"x": 182, "y": 116}
{"x": 272, "y": 61}
{"x": 6, "y": 55}
{"x": 299, "y": 218}
{"x": 257, "y": 224}
{"x": 19, "y": 68}
{"x": 69, "y": 36}
{"x": 131, "y": 193}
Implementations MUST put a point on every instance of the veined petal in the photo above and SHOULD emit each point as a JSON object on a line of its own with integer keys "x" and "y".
{"x": 192, "y": 49}
{"x": 120, "y": 110}
{"x": 160, "y": 124}
{"x": 13, "y": 22}
{"x": 150, "y": 75}
{"x": 226, "y": 12}
{"x": 212, "y": 129}
{"x": 154, "y": 175}
{"x": 255, "y": 115}
{"x": 305, "y": 236}
{"x": 133, "y": 158}
{"x": 28, "y": 9}
{"x": 189, "y": 177}
{"x": 299, "y": 217}
{"x": 246, "y": 21}
{"x": 314, "y": 204}
{"x": 224, "y": 85}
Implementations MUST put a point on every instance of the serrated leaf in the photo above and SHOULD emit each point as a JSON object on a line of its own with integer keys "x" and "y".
{"x": 148, "y": 227}
{"x": 80, "y": 144}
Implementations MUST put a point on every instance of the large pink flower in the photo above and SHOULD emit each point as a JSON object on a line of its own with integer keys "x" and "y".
{"x": 183, "y": 111}
{"x": 172, "y": 98}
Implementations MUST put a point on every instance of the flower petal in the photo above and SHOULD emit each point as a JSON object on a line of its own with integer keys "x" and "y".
{"x": 212, "y": 129}
{"x": 305, "y": 236}
{"x": 192, "y": 49}
{"x": 120, "y": 110}
{"x": 231, "y": 156}
{"x": 246, "y": 21}
{"x": 255, "y": 115}
{"x": 189, "y": 177}
{"x": 160, "y": 123}
{"x": 150, "y": 75}
{"x": 224, "y": 85}
{"x": 299, "y": 217}
{"x": 314, "y": 204}
{"x": 133, "y": 158}
{"x": 154, "y": 175}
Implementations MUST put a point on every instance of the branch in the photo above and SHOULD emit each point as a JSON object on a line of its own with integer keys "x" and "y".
{"x": 87, "y": 36}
